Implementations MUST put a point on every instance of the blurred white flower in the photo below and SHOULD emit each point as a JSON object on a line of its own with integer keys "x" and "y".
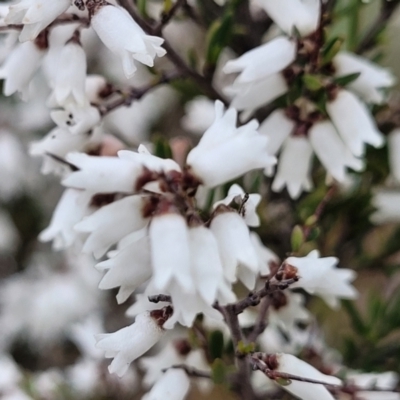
{"x": 290, "y": 364}
{"x": 199, "y": 115}
{"x": 129, "y": 41}
{"x": 387, "y": 204}
{"x": 174, "y": 385}
{"x": 19, "y": 68}
{"x": 302, "y": 15}
{"x": 394, "y": 154}
{"x": 319, "y": 276}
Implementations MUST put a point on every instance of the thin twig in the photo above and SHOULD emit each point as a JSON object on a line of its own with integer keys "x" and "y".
{"x": 132, "y": 94}
{"x": 167, "y": 16}
{"x": 192, "y": 372}
{"x": 261, "y": 324}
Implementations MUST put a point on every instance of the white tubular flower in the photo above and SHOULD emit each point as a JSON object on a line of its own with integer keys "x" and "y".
{"x": 286, "y": 309}
{"x": 387, "y": 204}
{"x": 111, "y": 223}
{"x": 290, "y": 364}
{"x": 249, "y": 96}
{"x": 353, "y": 122}
{"x": 235, "y": 246}
{"x": 173, "y": 385}
{"x": 78, "y": 120}
{"x": 207, "y": 268}
{"x": 71, "y": 208}
{"x": 277, "y": 127}
{"x": 170, "y": 252}
{"x": 226, "y": 152}
{"x": 383, "y": 381}
{"x": 319, "y": 276}
{"x": 289, "y": 14}
{"x": 294, "y": 167}
{"x": 154, "y": 365}
{"x": 35, "y": 15}
{"x": 331, "y": 150}
{"x": 60, "y": 142}
{"x": 129, "y": 41}
{"x": 265, "y": 60}
{"x": 372, "y": 80}
{"x": 129, "y": 343}
{"x": 264, "y": 255}
{"x": 199, "y": 115}
{"x": 394, "y": 153}
{"x": 19, "y": 68}
{"x": 94, "y": 85}
{"x": 237, "y": 194}
{"x": 102, "y": 174}
{"x": 127, "y": 269}
{"x": 70, "y": 77}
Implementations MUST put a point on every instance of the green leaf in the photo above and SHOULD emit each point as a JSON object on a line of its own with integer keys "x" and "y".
{"x": 216, "y": 344}
{"x": 167, "y": 5}
{"x": 297, "y": 238}
{"x": 142, "y": 8}
{"x": 245, "y": 348}
{"x": 218, "y": 371}
{"x": 346, "y": 79}
{"x": 218, "y": 37}
{"x": 162, "y": 147}
{"x": 331, "y": 48}
{"x": 312, "y": 82}
{"x": 355, "y": 317}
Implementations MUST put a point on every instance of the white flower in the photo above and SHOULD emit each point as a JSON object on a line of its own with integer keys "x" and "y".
{"x": 111, "y": 223}
{"x": 70, "y": 76}
{"x": 264, "y": 255}
{"x": 60, "y": 142}
{"x": 290, "y": 364}
{"x": 207, "y": 268}
{"x": 71, "y": 208}
{"x": 289, "y": 14}
{"x": 174, "y": 385}
{"x": 153, "y": 365}
{"x": 319, "y": 276}
{"x": 277, "y": 127}
{"x": 387, "y": 204}
{"x": 127, "y": 269}
{"x": 129, "y": 343}
{"x": 331, "y": 150}
{"x": 394, "y": 153}
{"x": 226, "y": 152}
{"x": 263, "y": 61}
{"x": 294, "y": 167}
{"x": 170, "y": 252}
{"x": 235, "y": 246}
{"x": 372, "y": 80}
{"x": 249, "y": 96}
{"x": 128, "y": 40}
{"x": 78, "y": 120}
{"x": 35, "y": 15}
{"x": 237, "y": 194}
{"x": 286, "y": 309}
{"x": 353, "y": 122}
{"x": 10, "y": 375}
{"x": 199, "y": 115}
{"x": 19, "y": 68}
{"x": 383, "y": 381}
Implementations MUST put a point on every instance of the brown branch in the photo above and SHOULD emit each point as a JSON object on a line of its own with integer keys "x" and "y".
{"x": 126, "y": 98}
{"x": 204, "y": 84}
{"x": 319, "y": 210}
{"x": 167, "y": 16}
{"x": 261, "y": 324}
{"x": 63, "y": 19}
{"x": 190, "y": 371}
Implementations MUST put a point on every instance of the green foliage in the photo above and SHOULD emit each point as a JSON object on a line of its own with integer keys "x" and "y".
{"x": 216, "y": 344}
{"x": 218, "y": 371}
